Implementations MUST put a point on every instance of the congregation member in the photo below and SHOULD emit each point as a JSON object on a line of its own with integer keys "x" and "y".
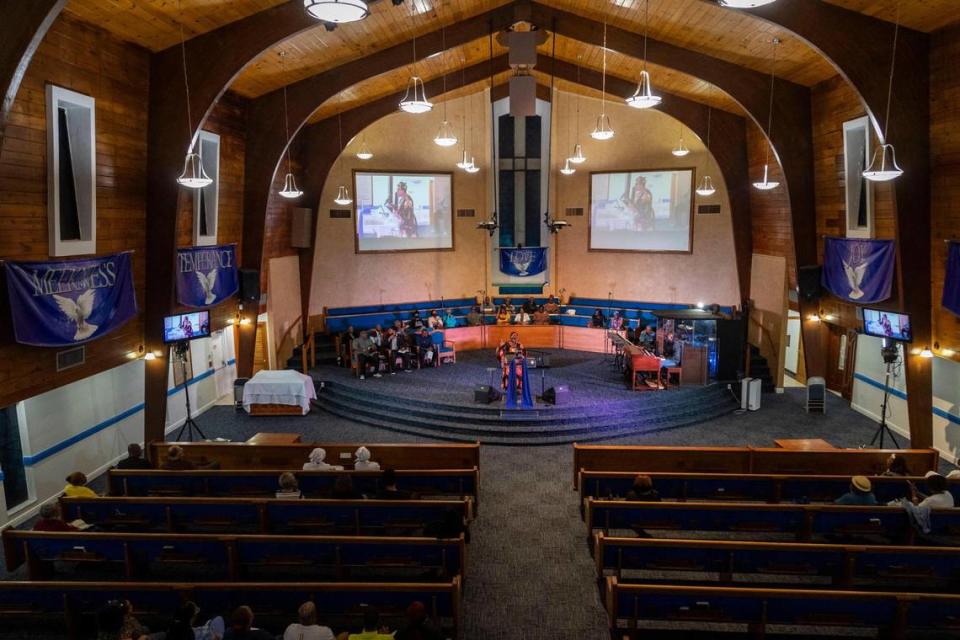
{"x": 388, "y": 487}
{"x": 648, "y": 338}
{"x": 425, "y": 350}
{"x": 860, "y": 493}
{"x": 318, "y": 462}
{"x": 418, "y": 626}
{"x": 508, "y": 303}
{"x": 365, "y": 354}
{"x": 372, "y": 630}
{"x": 176, "y": 461}
{"x": 503, "y": 315}
{"x": 940, "y": 496}
{"x": 112, "y": 623}
{"x": 134, "y": 459}
{"x": 530, "y": 305}
{"x": 362, "y": 461}
{"x": 449, "y": 320}
{"x": 598, "y": 320}
{"x": 185, "y": 627}
{"x": 896, "y": 466}
{"x": 396, "y": 348}
{"x": 289, "y": 487}
{"x": 474, "y": 318}
{"x": 540, "y": 316}
{"x": 522, "y": 317}
{"x": 241, "y": 627}
{"x": 77, "y": 486}
{"x": 551, "y": 307}
{"x": 434, "y": 322}
{"x": 306, "y": 627}
{"x": 642, "y": 490}
{"x": 616, "y": 322}
{"x": 51, "y": 519}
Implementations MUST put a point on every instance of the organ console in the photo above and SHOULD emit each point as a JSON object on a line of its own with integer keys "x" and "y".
{"x": 640, "y": 361}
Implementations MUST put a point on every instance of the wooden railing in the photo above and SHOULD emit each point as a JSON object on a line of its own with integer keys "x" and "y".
{"x": 766, "y": 331}
{"x": 288, "y": 342}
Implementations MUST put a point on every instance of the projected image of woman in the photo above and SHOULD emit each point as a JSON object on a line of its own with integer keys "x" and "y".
{"x": 640, "y": 200}
{"x": 402, "y": 207}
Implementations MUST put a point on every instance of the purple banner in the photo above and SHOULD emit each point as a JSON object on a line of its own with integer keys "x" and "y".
{"x": 951, "y": 284}
{"x": 206, "y": 275}
{"x": 859, "y": 271}
{"x": 56, "y": 304}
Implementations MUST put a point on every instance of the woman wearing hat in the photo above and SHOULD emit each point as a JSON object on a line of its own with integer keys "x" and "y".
{"x": 860, "y": 494}
{"x": 940, "y": 496}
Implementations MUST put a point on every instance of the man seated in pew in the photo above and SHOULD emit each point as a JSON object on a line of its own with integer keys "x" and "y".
{"x": 418, "y": 625}
{"x": 372, "y": 629}
{"x": 318, "y": 462}
{"x": 540, "y": 316}
{"x": 424, "y": 348}
{"x": 642, "y": 490}
{"x": 241, "y": 627}
{"x": 522, "y": 317}
{"x": 289, "y": 488}
{"x": 896, "y": 466}
{"x": 598, "y": 320}
{"x": 185, "y": 627}
{"x": 77, "y": 486}
{"x": 134, "y": 459}
{"x": 388, "y": 488}
{"x": 362, "y": 461}
{"x": 939, "y": 498}
{"x": 307, "y": 628}
{"x": 51, "y": 519}
{"x": 474, "y": 318}
{"x": 860, "y": 494}
{"x": 175, "y": 460}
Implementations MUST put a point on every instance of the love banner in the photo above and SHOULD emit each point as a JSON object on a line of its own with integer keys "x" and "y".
{"x": 206, "y": 275}
{"x": 68, "y": 302}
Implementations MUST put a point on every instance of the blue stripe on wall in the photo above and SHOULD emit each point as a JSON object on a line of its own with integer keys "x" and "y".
{"x": 879, "y": 385}
{"x": 97, "y": 428}
{"x": 948, "y": 416}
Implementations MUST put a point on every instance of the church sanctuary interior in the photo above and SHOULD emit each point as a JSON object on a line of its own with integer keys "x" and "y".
{"x": 479, "y": 319}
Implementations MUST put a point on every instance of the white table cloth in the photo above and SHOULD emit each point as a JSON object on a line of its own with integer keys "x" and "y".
{"x": 279, "y": 387}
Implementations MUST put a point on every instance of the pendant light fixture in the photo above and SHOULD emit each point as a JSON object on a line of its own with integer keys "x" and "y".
{"x": 883, "y": 167}
{"x": 643, "y": 97}
{"x": 706, "y": 188}
{"x": 491, "y": 224}
{"x": 472, "y": 165}
{"x": 464, "y": 160}
{"x": 445, "y": 136}
{"x": 578, "y": 157}
{"x": 415, "y": 99}
{"x": 603, "y": 130}
{"x": 290, "y": 189}
{"x": 745, "y": 4}
{"x": 567, "y": 170}
{"x": 343, "y": 194}
{"x": 193, "y": 176}
{"x": 337, "y": 11}
{"x": 681, "y": 149}
{"x": 766, "y": 184}
{"x": 364, "y": 152}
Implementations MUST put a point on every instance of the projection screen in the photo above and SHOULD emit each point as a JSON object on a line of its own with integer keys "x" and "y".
{"x": 403, "y": 211}
{"x": 644, "y": 210}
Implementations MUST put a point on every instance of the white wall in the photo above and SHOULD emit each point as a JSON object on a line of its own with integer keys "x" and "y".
{"x": 86, "y": 426}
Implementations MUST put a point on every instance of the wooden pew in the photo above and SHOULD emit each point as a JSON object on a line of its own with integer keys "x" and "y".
{"x": 743, "y": 460}
{"x": 69, "y": 606}
{"x": 815, "y": 611}
{"x": 846, "y": 566}
{"x": 264, "y": 516}
{"x": 803, "y": 522}
{"x": 240, "y": 455}
{"x": 457, "y": 483}
{"x": 235, "y": 557}
{"x": 732, "y": 487}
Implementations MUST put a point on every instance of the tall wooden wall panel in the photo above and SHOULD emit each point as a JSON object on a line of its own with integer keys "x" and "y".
{"x": 278, "y": 222}
{"x": 772, "y": 225}
{"x": 83, "y": 58}
{"x": 945, "y": 178}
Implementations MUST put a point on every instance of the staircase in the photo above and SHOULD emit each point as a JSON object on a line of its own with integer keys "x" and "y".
{"x": 325, "y": 350}
{"x": 760, "y": 368}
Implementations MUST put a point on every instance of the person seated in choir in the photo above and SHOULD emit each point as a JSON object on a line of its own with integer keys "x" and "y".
{"x": 434, "y": 322}
{"x": 522, "y": 317}
{"x": 552, "y": 307}
{"x": 669, "y": 346}
{"x": 474, "y": 318}
{"x": 616, "y": 321}
{"x": 51, "y": 519}
{"x": 241, "y": 627}
{"x": 134, "y": 459}
{"x": 648, "y": 338}
{"x": 306, "y": 627}
{"x": 487, "y": 304}
{"x": 376, "y": 334}
{"x": 418, "y": 625}
{"x": 388, "y": 488}
{"x": 372, "y": 629}
{"x": 508, "y": 353}
{"x": 424, "y": 348}
{"x": 896, "y": 466}
{"x": 503, "y": 315}
{"x": 397, "y": 348}
{"x": 860, "y": 494}
{"x": 362, "y": 461}
{"x": 176, "y": 461}
{"x": 289, "y": 488}
{"x": 343, "y": 489}
{"x": 416, "y": 322}
{"x": 530, "y": 306}
{"x": 508, "y": 303}
{"x": 365, "y": 355}
{"x": 940, "y": 496}
{"x": 540, "y": 316}
{"x": 77, "y": 486}
{"x": 642, "y": 490}
{"x": 598, "y": 320}
{"x": 449, "y": 320}
{"x": 317, "y": 462}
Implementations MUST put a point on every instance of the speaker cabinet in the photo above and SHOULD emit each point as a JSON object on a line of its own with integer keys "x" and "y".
{"x": 558, "y": 395}
{"x": 485, "y": 394}
{"x": 250, "y": 285}
{"x": 808, "y": 281}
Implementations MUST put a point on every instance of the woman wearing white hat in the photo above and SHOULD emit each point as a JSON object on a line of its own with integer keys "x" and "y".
{"x": 318, "y": 462}
{"x": 940, "y": 496}
{"x": 363, "y": 461}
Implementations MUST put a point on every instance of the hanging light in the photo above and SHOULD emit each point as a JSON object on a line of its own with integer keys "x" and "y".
{"x": 643, "y": 97}
{"x": 343, "y": 194}
{"x": 415, "y": 99}
{"x": 745, "y": 4}
{"x": 472, "y": 167}
{"x": 766, "y": 184}
{"x": 364, "y": 152}
{"x": 445, "y": 136}
{"x": 567, "y": 170}
{"x": 883, "y": 166}
{"x": 681, "y": 149}
{"x": 193, "y": 176}
{"x": 578, "y": 157}
{"x": 603, "y": 130}
{"x": 464, "y": 163}
{"x": 706, "y": 188}
{"x": 337, "y": 11}
{"x": 290, "y": 189}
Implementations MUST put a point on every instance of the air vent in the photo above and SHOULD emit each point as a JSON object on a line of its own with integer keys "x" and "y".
{"x": 71, "y": 358}
{"x": 340, "y": 213}
{"x": 574, "y": 211}
{"x": 466, "y": 213}
{"x": 708, "y": 208}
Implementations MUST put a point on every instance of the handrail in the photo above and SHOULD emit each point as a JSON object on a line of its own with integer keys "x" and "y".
{"x": 308, "y": 344}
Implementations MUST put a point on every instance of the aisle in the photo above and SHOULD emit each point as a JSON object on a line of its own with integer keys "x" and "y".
{"x": 530, "y": 574}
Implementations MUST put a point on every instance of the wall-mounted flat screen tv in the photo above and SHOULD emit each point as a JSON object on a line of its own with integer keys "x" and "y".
{"x": 887, "y": 324}
{"x": 186, "y": 326}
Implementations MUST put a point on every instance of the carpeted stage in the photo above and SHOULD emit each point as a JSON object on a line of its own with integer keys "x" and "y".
{"x": 438, "y": 402}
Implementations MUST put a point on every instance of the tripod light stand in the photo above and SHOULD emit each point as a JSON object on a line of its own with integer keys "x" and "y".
{"x": 890, "y": 355}
{"x": 189, "y": 426}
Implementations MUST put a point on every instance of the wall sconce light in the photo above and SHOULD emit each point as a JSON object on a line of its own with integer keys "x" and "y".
{"x": 700, "y": 305}
{"x": 244, "y": 321}
{"x": 926, "y": 353}
{"x": 813, "y": 317}
{"x": 149, "y": 355}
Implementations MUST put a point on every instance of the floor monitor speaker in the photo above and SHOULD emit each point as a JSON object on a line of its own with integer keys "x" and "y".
{"x": 485, "y": 394}
{"x": 557, "y": 395}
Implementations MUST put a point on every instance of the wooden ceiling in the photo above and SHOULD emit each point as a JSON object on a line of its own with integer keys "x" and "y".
{"x": 922, "y": 15}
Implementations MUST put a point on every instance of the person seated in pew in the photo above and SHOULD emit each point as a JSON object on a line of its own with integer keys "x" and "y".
{"x": 860, "y": 494}
{"x": 475, "y": 317}
{"x": 52, "y": 520}
{"x": 598, "y": 320}
{"x": 175, "y": 460}
{"x": 425, "y": 350}
{"x": 896, "y": 466}
{"x": 450, "y": 525}
{"x": 343, "y": 489}
{"x": 372, "y": 629}
{"x": 642, "y": 490}
{"x": 362, "y": 461}
{"x": 388, "y": 488}
{"x": 940, "y": 496}
{"x": 134, "y": 459}
{"x": 241, "y": 627}
{"x": 503, "y": 315}
{"x": 616, "y": 321}
{"x": 552, "y": 308}
{"x": 418, "y": 626}
{"x": 397, "y": 348}
{"x": 434, "y": 322}
{"x": 306, "y": 627}
{"x": 449, "y": 320}
{"x": 77, "y": 486}
{"x": 112, "y": 623}
{"x": 540, "y": 316}
{"x": 522, "y": 317}
{"x": 185, "y": 627}
{"x": 289, "y": 488}
{"x": 318, "y": 462}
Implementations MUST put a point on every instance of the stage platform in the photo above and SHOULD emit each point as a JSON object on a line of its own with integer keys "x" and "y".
{"x": 439, "y": 402}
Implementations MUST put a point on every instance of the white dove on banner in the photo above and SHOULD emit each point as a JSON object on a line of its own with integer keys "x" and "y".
{"x": 207, "y": 282}
{"x": 79, "y": 310}
{"x": 855, "y": 278}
